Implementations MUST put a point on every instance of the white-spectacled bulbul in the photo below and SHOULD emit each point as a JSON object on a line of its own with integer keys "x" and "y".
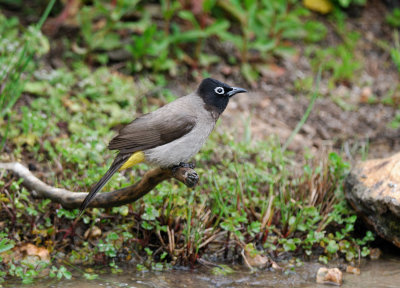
{"x": 172, "y": 134}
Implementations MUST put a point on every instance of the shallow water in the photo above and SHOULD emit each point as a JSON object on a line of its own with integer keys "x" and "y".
{"x": 380, "y": 273}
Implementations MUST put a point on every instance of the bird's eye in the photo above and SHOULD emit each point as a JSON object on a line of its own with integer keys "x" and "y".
{"x": 219, "y": 90}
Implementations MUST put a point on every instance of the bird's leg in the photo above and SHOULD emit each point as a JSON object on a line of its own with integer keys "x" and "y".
{"x": 187, "y": 165}
{"x": 182, "y": 165}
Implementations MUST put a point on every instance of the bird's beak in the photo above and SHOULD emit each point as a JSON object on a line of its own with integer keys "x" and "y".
{"x": 236, "y": 90}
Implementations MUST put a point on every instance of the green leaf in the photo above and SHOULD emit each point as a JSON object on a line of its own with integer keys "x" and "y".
{"x": 323, "y": 259}
{"x": 217, "y": 28}
{"x": 222, "y": 270}
{"x": 112, "y": 236}
{"x": 187, "y": 15}
{"x": 292, "y": 220}
{"x": 90, "y": 276}
{"x": 6, "y": 244}
{"x": 332, "y": 247}
{"x": 365, "y": 251}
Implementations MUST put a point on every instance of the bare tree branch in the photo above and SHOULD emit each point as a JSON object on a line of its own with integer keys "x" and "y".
{"x": 70, "y": 199}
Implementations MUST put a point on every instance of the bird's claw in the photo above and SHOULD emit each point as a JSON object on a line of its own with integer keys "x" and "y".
{"x": 190, "y": 176}
{"x": 191, "y": 179}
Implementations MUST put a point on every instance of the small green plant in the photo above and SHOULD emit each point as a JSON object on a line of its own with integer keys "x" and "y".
{"x": 393, "y": 18}
{"x": 338, "y": 60}
{"x": 265, "y": 28}
{"x": 395, "y": 51}
{"x": 222, "y": 270}
{"x": 5, "y": 244}
{"x": 16, "y": 55}
{"x": 182, "y": 35}
{"x": 395, "y": 123}
{"x": 60, "y": 272}
{"x": 101, "y": 26}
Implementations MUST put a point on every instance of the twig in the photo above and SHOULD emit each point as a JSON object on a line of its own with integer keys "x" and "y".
{"x": 70, "y": 199}
{"x": 246, "y": 261}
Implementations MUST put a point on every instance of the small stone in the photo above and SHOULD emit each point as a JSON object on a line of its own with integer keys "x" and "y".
{"x": 253, "y": 258}
{"x": 259, "y": 261}
{"x": 28, "y": 253}
{"x": 32, "y": 250}
{"x": 365, "y": 94}
{"x": 272, "y": 71}
{"x": 276, "y": 266}
{"x": 375, "y": 253}
{"x": 264, "y": 103}
{"x": 92, "y": 233}
{"x": 353, "y": 270}
{"x": 342, "y": 91}
{"x": 331, "y": 276}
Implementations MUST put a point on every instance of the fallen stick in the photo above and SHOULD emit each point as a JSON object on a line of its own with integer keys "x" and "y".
{"x": 70, "y": 199}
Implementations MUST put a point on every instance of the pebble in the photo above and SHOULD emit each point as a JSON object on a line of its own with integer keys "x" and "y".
{"x": 375, "y": 253}
{"x": 332, "y": 276}
{"x": 92, "y": 233}
{"x": 353, "y": 270}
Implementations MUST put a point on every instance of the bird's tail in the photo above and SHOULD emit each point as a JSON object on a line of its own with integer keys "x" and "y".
{"x": 118, "y": 162}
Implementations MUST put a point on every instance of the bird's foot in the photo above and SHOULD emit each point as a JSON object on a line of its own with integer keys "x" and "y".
{"x": 191, "y": 177}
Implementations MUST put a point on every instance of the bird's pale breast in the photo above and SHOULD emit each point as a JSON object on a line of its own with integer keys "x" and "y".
{"x": 184, "y": 148}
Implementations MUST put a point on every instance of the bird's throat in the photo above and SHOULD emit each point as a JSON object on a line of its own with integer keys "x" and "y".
{"x": 215, "y": 104}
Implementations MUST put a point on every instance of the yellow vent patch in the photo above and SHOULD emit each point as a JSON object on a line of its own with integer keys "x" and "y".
{"x": 136, "y": 158}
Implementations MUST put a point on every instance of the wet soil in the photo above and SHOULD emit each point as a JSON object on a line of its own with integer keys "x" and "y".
{"x": 381, "y": 273}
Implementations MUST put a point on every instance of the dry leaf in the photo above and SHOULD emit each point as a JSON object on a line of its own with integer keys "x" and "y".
{"x": 320, "y": 6}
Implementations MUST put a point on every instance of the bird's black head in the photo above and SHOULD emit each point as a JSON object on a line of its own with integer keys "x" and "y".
{"x": 216, "y": 94}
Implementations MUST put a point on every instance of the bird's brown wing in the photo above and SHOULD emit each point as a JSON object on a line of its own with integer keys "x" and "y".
{"x": 152, "y": 130}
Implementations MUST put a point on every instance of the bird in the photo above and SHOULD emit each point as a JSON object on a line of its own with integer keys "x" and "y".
{"x": 171, "y": 135}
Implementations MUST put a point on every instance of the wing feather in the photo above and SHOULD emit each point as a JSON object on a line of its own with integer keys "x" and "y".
{"x": 152, "y": 130}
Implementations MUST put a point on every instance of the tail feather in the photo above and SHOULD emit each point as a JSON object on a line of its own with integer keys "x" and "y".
{"x": 118, "y": 162}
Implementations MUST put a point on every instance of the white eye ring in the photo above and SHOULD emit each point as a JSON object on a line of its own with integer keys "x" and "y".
{"x": 219, "y": 90}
